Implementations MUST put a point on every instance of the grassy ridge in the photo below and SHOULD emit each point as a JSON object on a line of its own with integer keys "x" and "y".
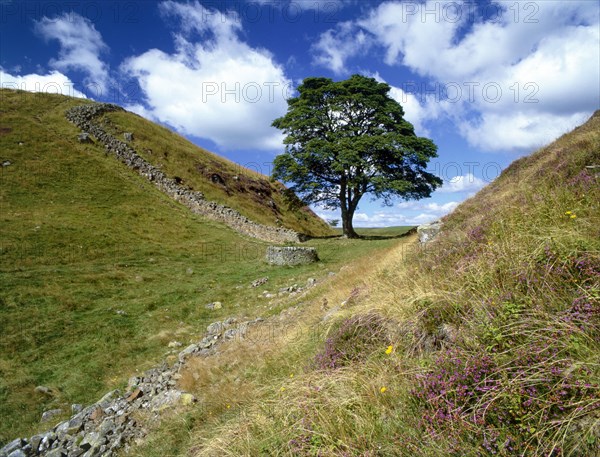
{"x": 222, "y": 181}
{"x": 99, "y": 270}
{"x": 486, "y": 342}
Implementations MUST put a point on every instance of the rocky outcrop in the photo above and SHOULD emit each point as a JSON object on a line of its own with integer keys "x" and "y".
{"x": 110, "y": 424}
{"x": 427, "y": 232}
{"x": 84, "y": 116}
{"x": 291, "y": 255}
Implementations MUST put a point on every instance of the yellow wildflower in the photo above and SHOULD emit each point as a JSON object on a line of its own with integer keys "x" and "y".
{"x": 573, "y": 216}
{"x": 291, "y": 375}
{"x": 389, "y": 349}
{"x": 568, "y": 212}
{"x": 282, "y": 389}
{"x": 383, "y": 389}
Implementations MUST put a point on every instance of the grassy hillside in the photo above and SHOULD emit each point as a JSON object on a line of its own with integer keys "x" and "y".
{"x": 99, "y": 271}
{"x": 485, "y": 342}
{"x": 222, "y": 181}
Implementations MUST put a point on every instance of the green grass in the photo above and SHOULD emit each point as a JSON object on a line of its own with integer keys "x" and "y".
{"x": 494, "y": 332}
{"x": 82, "y": 237}
{"x": 494, "y": 327}
{"x": 222, "y": 181}
{"x": 397, "y": 231}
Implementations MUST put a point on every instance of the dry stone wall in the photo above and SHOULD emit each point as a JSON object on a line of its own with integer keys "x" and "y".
{"x": 109, "y": 425}
{"x": 291, "y": 255}
{"x": 83, "y": 116}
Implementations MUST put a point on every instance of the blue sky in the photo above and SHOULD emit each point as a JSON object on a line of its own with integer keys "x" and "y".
{"x": 487, "y": 81}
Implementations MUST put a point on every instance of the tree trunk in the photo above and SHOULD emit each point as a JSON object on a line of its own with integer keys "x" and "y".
{"x": 347, "y": 207}
{"x": 347, "y": 228}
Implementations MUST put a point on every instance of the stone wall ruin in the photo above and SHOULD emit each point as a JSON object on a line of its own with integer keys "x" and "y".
{"x": 83, "y": 117}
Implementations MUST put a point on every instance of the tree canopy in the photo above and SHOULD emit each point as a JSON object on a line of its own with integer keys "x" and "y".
{"x": 349, "y": 138}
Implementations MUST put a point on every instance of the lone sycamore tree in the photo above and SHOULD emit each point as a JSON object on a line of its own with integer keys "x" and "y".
{"x": 349, "y": 138}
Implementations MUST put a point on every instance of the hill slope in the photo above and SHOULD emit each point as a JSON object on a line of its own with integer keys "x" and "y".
{"x": 99, "y": 270}
{"x": 484, "y": 342}
{"x": 221, "y": 181}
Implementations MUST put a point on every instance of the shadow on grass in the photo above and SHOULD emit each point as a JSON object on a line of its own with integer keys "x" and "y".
{"x": 386, "y": 233}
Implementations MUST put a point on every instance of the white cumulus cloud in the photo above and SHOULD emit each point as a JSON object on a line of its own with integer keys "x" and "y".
{"x": 499, "y": 131}
{"x": 463, "y": 183}
{"x": 517, "y": 79}
{"x": 335, "y": 46}
{"x": 403, "y": 213}
{"x": 431, "y": 207}
{"x": 214, "y": 85}
{"x": 81, "y": 46}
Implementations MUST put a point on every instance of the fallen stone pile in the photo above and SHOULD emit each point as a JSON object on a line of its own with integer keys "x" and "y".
{"x": 110, "y": 424}
{"x": 83, "y": 117}
{"x": 291, "y": 255}
{"x": 428, "y": 232}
